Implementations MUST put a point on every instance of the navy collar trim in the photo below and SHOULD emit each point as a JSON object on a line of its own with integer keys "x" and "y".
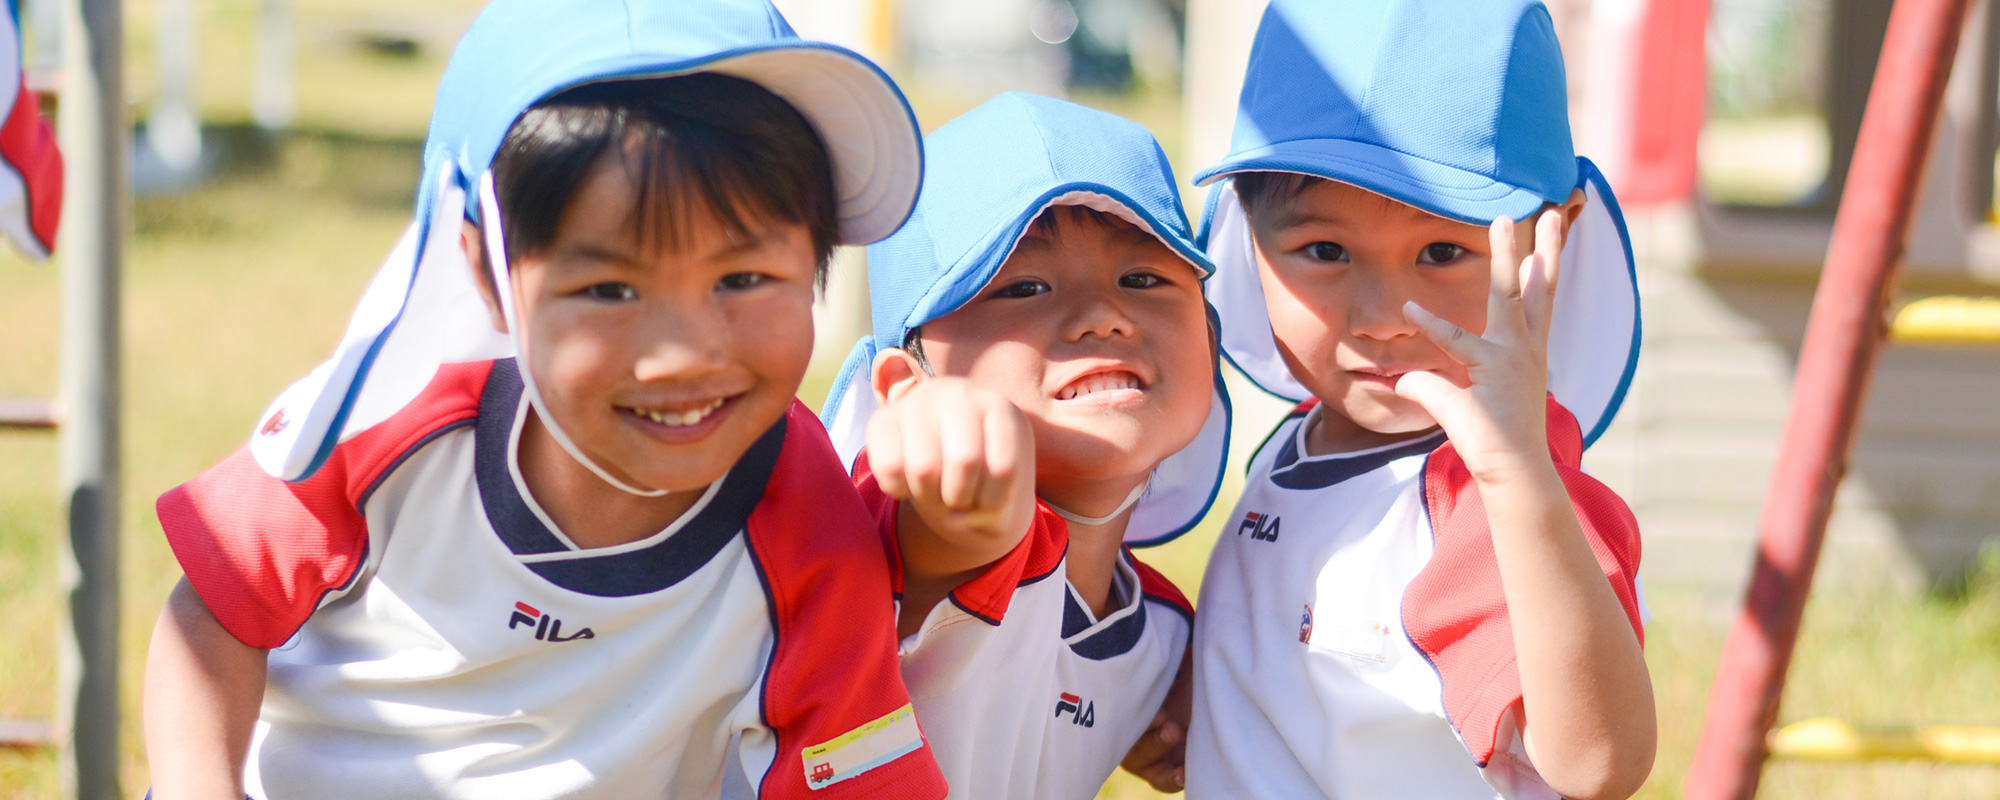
{"x": 710, "y": 525}
{"x": 1292, "y": 469}
{"x": 1119, "y": 631}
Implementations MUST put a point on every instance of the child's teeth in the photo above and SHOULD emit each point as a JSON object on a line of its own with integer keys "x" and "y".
{"x": 1100, "y": 383}
{"x": 680, "y": 418}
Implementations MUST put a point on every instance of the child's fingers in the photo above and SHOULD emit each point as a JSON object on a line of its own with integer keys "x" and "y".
{"x": 1008, "y": 449}
{"x": 885, "y": 455}
{"x": 922, "y": 459}
{"x": 1427, "y": 389}
{"x": 1505, "y": 273}
{"x": 962, "y": 448}
{"x": 1455, "y": 341}
{"x": 1539, "y": 275}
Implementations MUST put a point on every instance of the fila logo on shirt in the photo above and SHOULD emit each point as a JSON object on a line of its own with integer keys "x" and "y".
{"x": 275, "y": 424}
{"x": 1080, "y": 712}
{"x": 547, "y": 627}
{"x": 1262, "y": 527}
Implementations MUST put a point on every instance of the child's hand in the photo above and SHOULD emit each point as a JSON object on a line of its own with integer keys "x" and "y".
{"x": 962, "y": 456}
{"x": 1499, "y": 422}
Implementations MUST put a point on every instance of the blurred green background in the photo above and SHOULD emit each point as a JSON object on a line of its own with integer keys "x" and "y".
{"x": 234, "y": 289}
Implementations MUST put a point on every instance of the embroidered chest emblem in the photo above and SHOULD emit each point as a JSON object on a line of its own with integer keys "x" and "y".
{"x": 547, "y": 627}
{"x": 1081, "y": 712}
{"x": 1262, "y": 527}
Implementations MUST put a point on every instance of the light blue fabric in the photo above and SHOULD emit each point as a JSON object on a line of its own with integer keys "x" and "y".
{"x": 1459, "y": 108}
{"x": 422, "y": 308}
{"x": 988, "y": 174}
{"x": 1455, "y": 108}
{"x": 518, "y": 52}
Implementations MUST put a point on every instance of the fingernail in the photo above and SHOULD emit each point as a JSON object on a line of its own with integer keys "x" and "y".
{"x": 1170, "y": 734}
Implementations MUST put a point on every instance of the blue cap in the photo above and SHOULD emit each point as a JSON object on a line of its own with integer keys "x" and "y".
{"x": 1457, "y": 108}
{"x": 988, "y": 175}
{"x": 423, "y": 310}
{"x": 519, "y": 52}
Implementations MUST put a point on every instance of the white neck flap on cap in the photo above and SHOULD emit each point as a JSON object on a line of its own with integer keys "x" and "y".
{"x": 1171, "y": 501}
{"x": 496, "y": 255}
{"x": 1593, "y": 341}
{"x": 421, "y": 310}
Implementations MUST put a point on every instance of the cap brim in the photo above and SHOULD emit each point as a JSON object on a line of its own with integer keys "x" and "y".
{"x": 870, "y": 132}
{"x": 1442, "y": 190}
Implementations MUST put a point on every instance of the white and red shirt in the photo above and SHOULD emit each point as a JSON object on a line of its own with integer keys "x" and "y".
{"x": 1021, "y": 690}
{"x": 433, "y": 634}
{"x": 1354, "y": 639}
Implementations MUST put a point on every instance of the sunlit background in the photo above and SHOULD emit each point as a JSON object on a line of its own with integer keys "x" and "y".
{"x": 279, "y": 143}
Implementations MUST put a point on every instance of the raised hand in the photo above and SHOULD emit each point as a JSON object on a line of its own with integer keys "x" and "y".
{"x": 1497, "y": 421}
{"x": 963, "y": 458}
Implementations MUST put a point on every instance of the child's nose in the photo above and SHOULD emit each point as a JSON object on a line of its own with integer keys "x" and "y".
{"x": 1098, "y": 314}
{"x": 688, "y": 342}
{"x": 1375, "y": 305}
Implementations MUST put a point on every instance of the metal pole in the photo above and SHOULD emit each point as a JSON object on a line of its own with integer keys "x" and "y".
{"x": 1842, "y": 338}
{"x": 271, "y": 101}
{"x": 94, "y": 139}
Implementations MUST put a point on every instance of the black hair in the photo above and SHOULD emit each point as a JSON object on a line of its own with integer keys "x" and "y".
{"x": 692, "y": 143}
{"x": 1258, "y": 191}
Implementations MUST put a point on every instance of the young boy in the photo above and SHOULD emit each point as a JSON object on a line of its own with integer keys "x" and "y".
{"x": 1041, "y": 390}
{"x": 624, "y": 562}
{"x": 1418, "y": 571}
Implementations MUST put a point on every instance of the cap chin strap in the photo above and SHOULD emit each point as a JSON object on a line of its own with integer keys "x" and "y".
{"x": 496, "y": 250}
{"x": 1079, "y": 519}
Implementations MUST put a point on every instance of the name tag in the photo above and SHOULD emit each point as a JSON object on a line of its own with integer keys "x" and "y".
{"x": 1368, "y": 641}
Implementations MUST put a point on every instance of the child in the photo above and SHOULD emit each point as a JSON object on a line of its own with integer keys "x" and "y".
{"x": 1047, "y": 391}
{"x": 623, "y": 562}
{"x": 1417, "y": 570}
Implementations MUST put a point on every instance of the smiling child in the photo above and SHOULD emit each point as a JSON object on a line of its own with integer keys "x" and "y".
{"x": 1046, "y": 382}
{"x": 550, "y": 523}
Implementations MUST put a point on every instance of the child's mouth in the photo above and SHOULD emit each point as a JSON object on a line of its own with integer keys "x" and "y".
{"x": 677, "y": 419}
{"x": 1380, "y": 378}
{"x": 1106, "y": 387}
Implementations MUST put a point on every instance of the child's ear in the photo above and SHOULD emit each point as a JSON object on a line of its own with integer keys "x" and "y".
{"x": 894, "y": 373}
{"x": 1571, "y": 209}
{"x": 474, "y": 247}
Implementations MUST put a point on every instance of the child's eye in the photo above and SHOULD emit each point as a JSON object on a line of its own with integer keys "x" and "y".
{"x": 1440, "y": 253}
{"x": 1023, "y": 288}
{"x": 611, "y": 291}
{"x": 741, "y": 280}
{"x": 1326, "y": 251}
{"x": 1140, "y": 280}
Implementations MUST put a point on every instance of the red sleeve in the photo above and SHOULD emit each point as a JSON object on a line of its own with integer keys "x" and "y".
{"x": 28, "y": 146}
{"x": 987, "y": 594}
{"x": 262, "y": 552}
{"x": 834, "y": 674}
{"x": 1154, "y": 585}
{"x": 1455, "y": 610}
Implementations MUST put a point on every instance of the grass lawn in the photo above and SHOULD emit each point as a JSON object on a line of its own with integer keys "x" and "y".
{"x": 236, "y": 289}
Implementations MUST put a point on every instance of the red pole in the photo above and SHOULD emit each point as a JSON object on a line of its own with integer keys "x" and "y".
{"x": 1842, "y": 338}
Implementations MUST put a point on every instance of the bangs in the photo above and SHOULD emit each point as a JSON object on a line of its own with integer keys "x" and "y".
{"x": 694, "y": 146}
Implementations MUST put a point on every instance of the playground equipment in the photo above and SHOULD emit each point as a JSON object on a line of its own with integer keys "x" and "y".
{"x": 1828, "y": 739}
{"x": 93, "y": 189}
{"x": 1949, "y": 320}
{"x": 1845, "y": 334}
